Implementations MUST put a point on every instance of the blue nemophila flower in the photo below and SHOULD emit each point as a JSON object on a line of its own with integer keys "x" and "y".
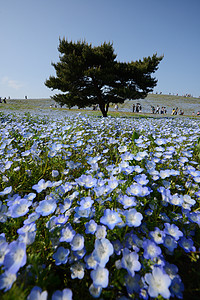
{"x": 177, "y": 287}
{"x": 16, "y": 257}
{"x": 11, "y": 200}
{"x": 110, "y": 218}
{"x": 3, "y": 250}
{"x": 122, "y": 149}
{"x": 102, "y": 251}
{"x": 93, "y": 160}
{"x": 46, "y": 207}
{"x": 20, "y": 209}
{"x": 37, "y": 294}
{"x": 141, "y": 179}
{"x": 140, "y": 155}
{"x": 55, "y": 173}
{"x": 166, "y": 194}
{"x": 100, "y": 277}
{"x": 3, "y": 212}
{"x": 6, "y": 191}
{"x": 67, "y": 234}
{"x": 133, "y": 218}
{"x": 127, "y": 201}
{"x": 27, "y": 238}
{"x": 160, "y": 141}
{"x": 196, "y": 179}
{"x": 170, "y": 243}
{"x": 27, "y": 228}
{"x": 135, "y": 189}
{"x": 165, "y": 173}
{"x": 157, "y": 235}
{"x": 100, "y": 190}
{"x": 77, "y": 270}
{"x": 112, "y": 184}
{"x": 8, "y": 164}
{"x": 176, "y": 200}
{"x": 87, "y": 181}
{"x": 61, "y": 256}
{"x": 31, "y": 218}
{"x": 173, "y": 230}
{"x": 188, "y": 202}
{"x": 90, "y": 261}
{"x": 138, "y": 169}
{"x": 194, "y": 217}
{"x": 100, "y": 232}
{"x": 6, "y": 280}
{"x": 30, "y": 196}
{"x": 81, "y": 213}
{"x": 158, "y": 283}
{"x": 117, "y": 247}
{"x": 171, "y": 269}
{"x": 151, "y": 250}
{"x": 132, "y": 283}
{"x": 146, "y": 191}
{"x": 95, "y": 292}
{"x": 61, "y": 219}
{"x": 133, "y": 242}
{"x": 91, "y": 227}
{"x": 127, "y": 156}
{"x": 25, "y": 153}
{"x": 66, "y": 187}
{"x": 41, "y": 185}
{"x": 77, "y": 243}
{"x": 86, "y": 203}
{"x": 67, "y": 204}
{"x": 65, "y": 294}
{"x": 130, "y": 261}
{"x": 187, "y": 244}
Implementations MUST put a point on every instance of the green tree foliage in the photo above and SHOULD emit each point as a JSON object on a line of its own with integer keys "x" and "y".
{"x": 91, "y": 75}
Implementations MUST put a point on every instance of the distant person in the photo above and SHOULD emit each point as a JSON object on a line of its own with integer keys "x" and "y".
{"x": 133, "y": 107}
{"x": 157, "y": 109}
{"x": 116, "y": 107}
{"x": 4, "y": 100}
{"x": 152, "y": 109}
{"x": 0, "y": 100}
{"x": 198, "y": 113}
{"x": 137, "y": 108}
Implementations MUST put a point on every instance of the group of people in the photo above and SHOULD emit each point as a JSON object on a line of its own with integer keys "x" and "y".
{"x": 95, "y": 107}
{"x": 177, "y": 111}
{"x": 3, "y": 101}
{"x": 137, "y": 107}
{"x": 158, "y": 110}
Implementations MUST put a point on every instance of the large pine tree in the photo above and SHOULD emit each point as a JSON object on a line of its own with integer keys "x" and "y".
{"x": 91, "y": 75}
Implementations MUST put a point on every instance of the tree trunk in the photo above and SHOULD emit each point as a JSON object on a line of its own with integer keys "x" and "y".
{"x": 104, "y": 109}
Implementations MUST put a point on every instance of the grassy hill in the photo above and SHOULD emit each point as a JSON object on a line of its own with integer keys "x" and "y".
{"x": 188, "y": 104}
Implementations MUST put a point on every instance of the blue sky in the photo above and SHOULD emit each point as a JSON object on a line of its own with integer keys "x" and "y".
{"x": 30, "y": 31}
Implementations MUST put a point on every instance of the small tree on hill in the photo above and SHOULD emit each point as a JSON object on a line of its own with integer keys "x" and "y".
{"x": 91, "y": 75}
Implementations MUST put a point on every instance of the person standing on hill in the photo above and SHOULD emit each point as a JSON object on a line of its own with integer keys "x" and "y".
{"x": 157, "y": 109}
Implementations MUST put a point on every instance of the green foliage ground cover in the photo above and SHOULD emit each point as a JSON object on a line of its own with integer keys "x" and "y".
{"x": 128, "y": 187}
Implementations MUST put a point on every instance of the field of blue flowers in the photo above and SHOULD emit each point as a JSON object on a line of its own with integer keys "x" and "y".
{"x": 95, "y": 207}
